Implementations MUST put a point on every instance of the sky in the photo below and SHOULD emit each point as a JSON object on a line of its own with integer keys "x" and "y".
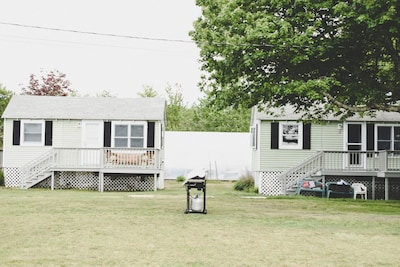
{"x": 94, "y": 63}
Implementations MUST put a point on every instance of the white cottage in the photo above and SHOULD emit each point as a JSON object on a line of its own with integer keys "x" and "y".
{"x": 287, "y": 150}
{"x": 105, "y": 144}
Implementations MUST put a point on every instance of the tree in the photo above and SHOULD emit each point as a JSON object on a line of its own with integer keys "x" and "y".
{"x": 178, "y": 115}
{"x": 212, "y": 119}
{"x": 52, "y": 84}
{"x": 5, "y": 97}
{"x": 105, "y": 93}
{"x": 148, "y": 91}
{"x": 319, "y": 56}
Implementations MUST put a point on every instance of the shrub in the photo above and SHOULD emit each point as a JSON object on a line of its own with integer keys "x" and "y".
{"x": 245, "y": 183}
{"x": 1, "y": 177}
{"x": 180, "y": 178}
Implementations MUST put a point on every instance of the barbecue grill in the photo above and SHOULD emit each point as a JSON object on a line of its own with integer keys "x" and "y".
{"x": 196, "y": 203}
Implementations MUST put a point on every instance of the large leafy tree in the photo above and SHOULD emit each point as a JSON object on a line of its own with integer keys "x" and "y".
{"x": 319, "y": 55}
{"x": 53, "y": 83}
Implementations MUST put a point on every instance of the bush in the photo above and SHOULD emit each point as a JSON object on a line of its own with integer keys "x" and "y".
{"x": 1, "y": 177}
{"x": 245, "y": 183}
{"x": 180, "y": 178}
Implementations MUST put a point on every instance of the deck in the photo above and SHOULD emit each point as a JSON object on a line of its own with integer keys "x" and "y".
{"x": 99, "y": 160}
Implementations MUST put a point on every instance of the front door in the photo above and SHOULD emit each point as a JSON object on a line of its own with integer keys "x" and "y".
{"x": 92, "y": 141}
{"x": 355, "y": 143}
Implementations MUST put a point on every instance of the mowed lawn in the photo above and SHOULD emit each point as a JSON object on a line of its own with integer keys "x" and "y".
{"x": 88, "y": 228}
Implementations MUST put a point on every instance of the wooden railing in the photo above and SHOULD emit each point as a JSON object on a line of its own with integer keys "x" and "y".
{"x": 90, "y": 158}
{"x": 325, "y": 162}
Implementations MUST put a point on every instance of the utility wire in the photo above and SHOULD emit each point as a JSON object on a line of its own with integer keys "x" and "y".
{"x": 96, "y": 33}
{"x": 130, "y": 36}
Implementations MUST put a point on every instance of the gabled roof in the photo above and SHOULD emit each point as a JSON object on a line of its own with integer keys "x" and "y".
{"x": 287, "y": 113}
{"x": 89, "y": 108}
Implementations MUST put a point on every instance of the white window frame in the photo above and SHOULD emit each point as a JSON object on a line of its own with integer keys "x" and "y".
{"x": 22, "y": 135}
{"x": 291, "y": 145}
{"x": 254, "y": 136}
{"x": 129, "y": 124}
{"x": 391, "y": 134}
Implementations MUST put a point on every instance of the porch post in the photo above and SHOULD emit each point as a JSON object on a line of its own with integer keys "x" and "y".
{"x": 155, "y": 182}
{"x": 373, "y": 187}
{"x": 386, "y": 188}
{"x": 101, "y": 181}
{"x": 52, "y": 180}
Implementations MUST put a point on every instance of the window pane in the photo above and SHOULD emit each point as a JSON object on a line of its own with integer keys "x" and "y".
{"x": 384, "y": 133}
{"x": 121, "y": 142}
{"x": 354, "y": 133}
{"x": 397, "y": 133}
{"x": 121, "y": 130}
{"x": 290, "y": 133}
{"x": 397, "y": 145}
{"x": 384, "y": 145}
{"x": 137, "y": 130}
{"x": 137, "y": 142}
{"x": 32, "y": 137}
{"x": 33, "y": 128}
{"x": 33, "y": 132}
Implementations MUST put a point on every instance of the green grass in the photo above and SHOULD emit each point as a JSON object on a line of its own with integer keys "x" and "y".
{"x": 84, "y": 228}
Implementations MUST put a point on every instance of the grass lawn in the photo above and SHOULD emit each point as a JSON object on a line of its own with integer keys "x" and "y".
{"x": 88, "y": 228}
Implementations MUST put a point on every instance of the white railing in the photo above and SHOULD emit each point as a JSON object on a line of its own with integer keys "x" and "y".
{"x": 92, "y": 158}
{"x": 341, "y": 161}
{"x": 88, "y": 159}
{"x": 305, "y": 169}
{"x": 37, "y": 167}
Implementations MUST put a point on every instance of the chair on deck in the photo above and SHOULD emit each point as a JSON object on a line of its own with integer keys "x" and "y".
{"x": 359, "y": 189}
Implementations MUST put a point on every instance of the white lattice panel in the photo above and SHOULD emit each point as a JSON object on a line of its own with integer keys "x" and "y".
{"x": 76, "y": 180}
{"x": 270, "y": 184}
{"x": 12, "y": 177}
{"x": 128, "y": 183}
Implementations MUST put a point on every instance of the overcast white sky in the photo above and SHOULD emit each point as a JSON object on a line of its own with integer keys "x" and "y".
{"x": 95, "y": 63}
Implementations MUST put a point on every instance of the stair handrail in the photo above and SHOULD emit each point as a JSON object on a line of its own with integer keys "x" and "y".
{"x": 37, "y": 166}
{"x": 310, "y": 166}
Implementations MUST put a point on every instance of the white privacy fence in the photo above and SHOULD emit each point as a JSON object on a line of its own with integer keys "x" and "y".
{"x": 225, "y": 156}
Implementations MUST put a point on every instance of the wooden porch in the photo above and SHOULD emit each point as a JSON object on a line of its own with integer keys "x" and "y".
{"x": 100, "y": 160}
{"x": 374, "y": 164}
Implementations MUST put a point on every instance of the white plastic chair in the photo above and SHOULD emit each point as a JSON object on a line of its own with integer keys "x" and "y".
{"x": 359, "y": 189}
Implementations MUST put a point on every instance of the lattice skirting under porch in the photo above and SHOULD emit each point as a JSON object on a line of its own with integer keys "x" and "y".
{"x": 86, "y": 181}
{"x": 270, "y": 185}
{"x": 12, "y": 176}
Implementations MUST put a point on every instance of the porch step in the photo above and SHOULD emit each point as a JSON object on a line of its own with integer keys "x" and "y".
{"x": 35, "y": 180}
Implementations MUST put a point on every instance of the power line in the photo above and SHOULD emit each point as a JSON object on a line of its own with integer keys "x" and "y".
{"x": 97, "y": 33}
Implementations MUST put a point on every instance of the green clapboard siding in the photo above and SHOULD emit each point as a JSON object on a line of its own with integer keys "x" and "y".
{"x": 323, "y": 137}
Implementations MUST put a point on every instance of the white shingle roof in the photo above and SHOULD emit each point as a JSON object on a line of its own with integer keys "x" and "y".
{"x": 287, "y": 113}
{"x": 105, "y": 108}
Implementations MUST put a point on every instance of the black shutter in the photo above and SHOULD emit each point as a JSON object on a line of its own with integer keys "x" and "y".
{"x": 370, "y": 137}
{"x": 16, "y": 132}
{"x": 274, "y": 135}
{"x": 307, "y": 136}
{"x": 107, "y": 134}
{"x": 48, "y": 133}
{"x": 150, "y": 134}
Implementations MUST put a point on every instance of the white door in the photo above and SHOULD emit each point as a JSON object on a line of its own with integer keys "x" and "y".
{"x": 92, "y": 141}
{"x": 355, "y": 143}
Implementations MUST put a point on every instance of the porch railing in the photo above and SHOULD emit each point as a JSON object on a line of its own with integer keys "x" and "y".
{"x": 341, "y": 161}
{"x": 92, "y": 158}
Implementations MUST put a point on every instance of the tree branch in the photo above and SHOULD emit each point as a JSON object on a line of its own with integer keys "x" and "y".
{"x": 360, "y": 109}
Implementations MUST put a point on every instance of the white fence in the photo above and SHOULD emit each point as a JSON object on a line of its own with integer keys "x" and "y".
{"x": 225, "y": 156}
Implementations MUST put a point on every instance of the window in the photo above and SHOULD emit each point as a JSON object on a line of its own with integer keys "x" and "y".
{"x": 253, "y": 135}
{"x": 32, "y": 133}
{"x": 388, "y": 137}
{"x": 129, "y": 135}
{"x": 290, "y": 135}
